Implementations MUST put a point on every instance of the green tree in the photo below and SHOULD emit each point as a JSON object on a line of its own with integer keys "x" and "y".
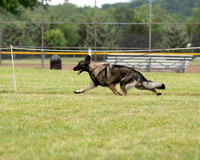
{"x": 55, "y": 38}
{"x": 63, "y": 12}
{"x": 138, "y": 3}
{"x": 124, "y": 14}
{"x": 106, "y": 34}
{"x": 194, "y": 30}
{"x": 13, "y": 5}
{"x": 174, "y": 37}
{"x": 21, "y": 35}
{"x": 182, "y": 8}
{"x": 135, "y": 35}
{"x": 70, "y": 34}
{"x": 82, "y": 32}
{"x": 12, "y": 34}
{"x": 158, "y": 14}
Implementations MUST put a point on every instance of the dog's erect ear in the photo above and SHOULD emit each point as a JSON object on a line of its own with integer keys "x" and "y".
{"x": 88, "y": 58}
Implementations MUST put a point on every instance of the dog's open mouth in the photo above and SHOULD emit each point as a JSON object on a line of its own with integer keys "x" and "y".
{"x": 79, "y": 72}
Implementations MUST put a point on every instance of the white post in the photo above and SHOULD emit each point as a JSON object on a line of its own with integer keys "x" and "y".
{"x": 42, "y": 35}
{"x": 150, "y": 21}
{"x": 11, "y": 48}
{"x": 89, "y": 52}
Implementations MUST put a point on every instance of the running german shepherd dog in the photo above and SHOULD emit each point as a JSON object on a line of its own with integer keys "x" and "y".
{"x": 108, "y": 75}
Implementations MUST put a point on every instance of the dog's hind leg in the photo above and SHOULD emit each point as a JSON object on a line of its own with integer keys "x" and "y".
{"x": 112, "y": 87}
{"x": 89, "y": 87}
{"x": 124, "y": 86}
{"x": 124, "y": 91}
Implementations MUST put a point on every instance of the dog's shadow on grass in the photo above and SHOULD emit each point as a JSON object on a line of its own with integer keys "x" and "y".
{"x": 92, "y": 93}
{"x": 6, "y": 92}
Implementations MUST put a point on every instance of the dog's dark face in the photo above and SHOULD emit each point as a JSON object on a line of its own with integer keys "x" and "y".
{"x": 83, "y": 65}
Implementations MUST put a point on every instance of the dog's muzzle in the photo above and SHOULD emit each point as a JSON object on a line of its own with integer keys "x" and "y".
{"x": 77, "y": 69}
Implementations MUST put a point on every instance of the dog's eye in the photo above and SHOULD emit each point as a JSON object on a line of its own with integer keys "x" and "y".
{"x": 82, "y": 63}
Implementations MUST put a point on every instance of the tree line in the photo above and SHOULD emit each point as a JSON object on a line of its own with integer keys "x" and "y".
{"x": 120, "y": 25}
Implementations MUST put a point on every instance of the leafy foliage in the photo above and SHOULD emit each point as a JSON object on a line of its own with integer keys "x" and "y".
{"x": 73, "y": 34}
{"x": 175, "y": 37}
{"x": 12, "y": 5}
{"x": 194, "y": 30}
{"x": 24, "y": 35}
{"x": 181, "y": 7}
{"x": 55, "y": 37}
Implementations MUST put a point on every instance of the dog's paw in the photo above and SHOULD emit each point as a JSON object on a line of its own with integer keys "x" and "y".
{"x": 119, "y": 94}
{"x": 159, "y": 94}
{"x": 77, "y": 92}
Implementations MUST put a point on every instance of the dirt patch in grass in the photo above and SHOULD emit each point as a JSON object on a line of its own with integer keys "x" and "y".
{"x": 193, "y": 69}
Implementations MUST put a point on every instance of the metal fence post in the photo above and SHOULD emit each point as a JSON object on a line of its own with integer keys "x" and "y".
{"x": 11, "y": 48}
{"x": 149, "y": 65}
{"x": 0, "y": 43}
{"x": 183, "y": 70}
{"x": 42, "y": 36}
{"x": 95, "y": 31}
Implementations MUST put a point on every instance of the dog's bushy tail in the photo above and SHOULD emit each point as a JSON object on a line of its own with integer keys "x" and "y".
{"x": 153, "y": 85}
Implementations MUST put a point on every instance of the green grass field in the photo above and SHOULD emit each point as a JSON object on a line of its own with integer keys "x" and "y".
{"x": 195, "y": 63}
{"x": 45, "y": 120}
{"x": 65, "y": 60}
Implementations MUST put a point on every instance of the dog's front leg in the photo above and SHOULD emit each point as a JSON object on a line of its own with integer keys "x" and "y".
{"x": 90, "y": 86}
{"x": 112, "y": 87}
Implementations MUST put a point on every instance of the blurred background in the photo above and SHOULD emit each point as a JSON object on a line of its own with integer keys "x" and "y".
{"x": 70, "y": 27}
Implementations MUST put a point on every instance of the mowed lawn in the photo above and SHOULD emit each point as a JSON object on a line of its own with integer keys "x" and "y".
{"x": 45, "y": 120}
